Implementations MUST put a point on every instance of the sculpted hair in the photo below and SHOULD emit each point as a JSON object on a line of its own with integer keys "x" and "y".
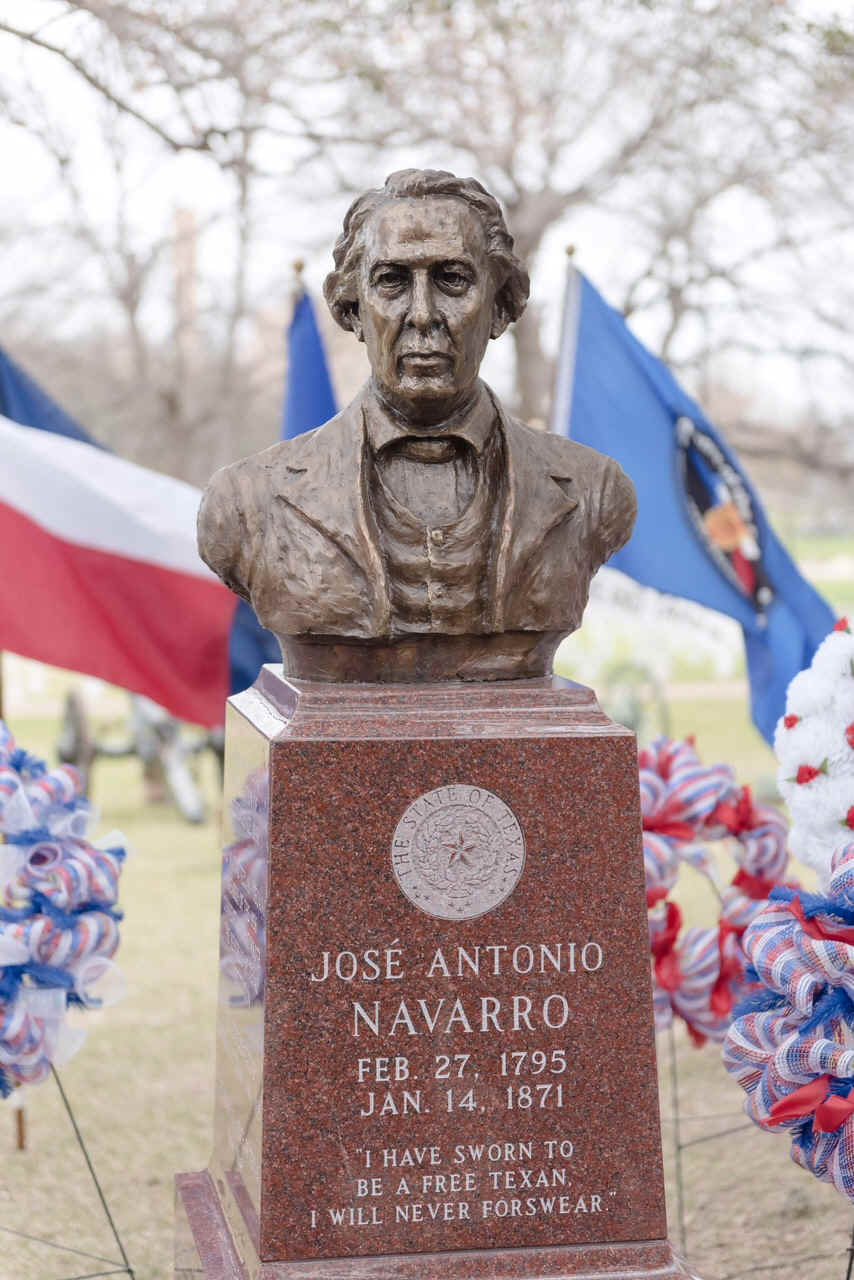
{"x": 340, "y": 286}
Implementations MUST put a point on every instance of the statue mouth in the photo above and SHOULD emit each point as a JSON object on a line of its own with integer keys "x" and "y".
{"x": 425, "y": 361}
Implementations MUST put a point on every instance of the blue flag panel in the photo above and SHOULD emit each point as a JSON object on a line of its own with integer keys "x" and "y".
{"x": 22, "y": 400}
{"x": 309, "y": 398}
{"x": 701, "y": 531}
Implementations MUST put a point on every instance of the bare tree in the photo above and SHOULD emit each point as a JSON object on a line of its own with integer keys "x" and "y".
{"x": 715, "y": 135}
{"x": 705, "y": 143}
{"x": 166, "y": 358}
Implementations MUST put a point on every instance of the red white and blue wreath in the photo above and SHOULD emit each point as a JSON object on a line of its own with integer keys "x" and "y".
{"x": 699, "y": 974}
{"x": 59, "y": 922}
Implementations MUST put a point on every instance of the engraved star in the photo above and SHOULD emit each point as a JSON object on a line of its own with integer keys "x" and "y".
{"x": 458, "y": 851}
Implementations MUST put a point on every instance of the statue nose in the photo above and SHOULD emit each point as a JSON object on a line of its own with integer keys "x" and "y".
{"x": 422, "y": 307}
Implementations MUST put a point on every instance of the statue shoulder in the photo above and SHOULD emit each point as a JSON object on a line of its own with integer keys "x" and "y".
{"x": 230, "y": 494}
{"x": 235, "y": 506}
{"x": 569, "y": 459}
{"x": 610, "y": 495}
{"x": 579, "y": 460}
{"x": 598, "y": 481}
{"x": 233, "y": 503}
{"x": 235, "y": 491}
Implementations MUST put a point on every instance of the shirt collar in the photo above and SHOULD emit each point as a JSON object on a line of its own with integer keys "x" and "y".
{"x": 474, "y": 425}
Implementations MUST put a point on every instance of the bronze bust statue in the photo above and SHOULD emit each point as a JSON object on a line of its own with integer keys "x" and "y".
{"x": 422, "y": 534}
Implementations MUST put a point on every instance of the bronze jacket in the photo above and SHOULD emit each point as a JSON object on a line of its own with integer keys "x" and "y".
{"x": 291, "y": 530}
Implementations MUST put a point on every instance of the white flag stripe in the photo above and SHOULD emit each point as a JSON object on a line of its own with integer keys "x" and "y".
{"x": 92, "y": 498}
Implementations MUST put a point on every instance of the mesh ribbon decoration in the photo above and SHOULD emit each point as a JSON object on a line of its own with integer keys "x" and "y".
{"x": 700, "y": 974}
{"x": 58, "y": 914}
{"x": 791, "y": 1046}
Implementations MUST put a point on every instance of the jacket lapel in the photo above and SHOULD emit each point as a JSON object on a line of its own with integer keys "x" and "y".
{"x": 535, "y": 503}
{"x": 325, "y": 479}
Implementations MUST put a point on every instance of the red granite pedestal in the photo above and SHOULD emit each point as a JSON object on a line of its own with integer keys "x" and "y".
{"x": 435, "y": 1052}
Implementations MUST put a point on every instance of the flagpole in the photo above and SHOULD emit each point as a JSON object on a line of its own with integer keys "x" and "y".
{"x": 298, "y": 286}
{"x": 562, "y": 404}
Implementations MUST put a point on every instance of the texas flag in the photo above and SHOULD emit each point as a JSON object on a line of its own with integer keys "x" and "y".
{"x": 99, "y": 570}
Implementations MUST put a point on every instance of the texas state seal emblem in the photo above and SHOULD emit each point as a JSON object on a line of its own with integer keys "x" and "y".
{"x": 458, "y": 852}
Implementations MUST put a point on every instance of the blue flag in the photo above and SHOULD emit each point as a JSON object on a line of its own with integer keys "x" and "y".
{"x": 701, "y": 531}
{"x": 309, "y": 398}
{"x": 309, "y": 402}
{"x": 22, "y": 400}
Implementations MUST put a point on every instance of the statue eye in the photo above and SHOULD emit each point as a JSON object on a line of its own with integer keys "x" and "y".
{"x": 453, "y": 279}
{"x": 390, "y": 278}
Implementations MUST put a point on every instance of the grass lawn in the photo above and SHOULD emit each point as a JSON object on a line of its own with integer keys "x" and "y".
{"x": 142, "y": 1086}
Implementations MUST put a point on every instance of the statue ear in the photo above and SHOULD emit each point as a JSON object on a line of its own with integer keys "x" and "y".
{"x": 500, "y": 317}
{"x": 345, "y": 312}
{"x": 351, "y": 320}
{"x": 355, "y": 324}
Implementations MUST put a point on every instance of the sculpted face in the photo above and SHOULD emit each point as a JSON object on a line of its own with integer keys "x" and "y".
{"x": 426, "y": 305}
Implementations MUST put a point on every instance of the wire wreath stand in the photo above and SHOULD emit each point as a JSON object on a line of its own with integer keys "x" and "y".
{"x": 116, "y": 1268}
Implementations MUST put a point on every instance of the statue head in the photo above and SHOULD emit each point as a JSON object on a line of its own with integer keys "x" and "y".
{"x": 425, "y": 275}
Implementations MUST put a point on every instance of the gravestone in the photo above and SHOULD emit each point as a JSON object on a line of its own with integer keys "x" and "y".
{"x": 435, "y": 1052}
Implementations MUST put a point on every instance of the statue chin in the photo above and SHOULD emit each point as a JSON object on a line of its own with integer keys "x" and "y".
{"x": 426, "y": 403}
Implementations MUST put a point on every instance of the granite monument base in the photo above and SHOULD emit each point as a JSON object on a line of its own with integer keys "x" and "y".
{"x": 435, "y": 1051}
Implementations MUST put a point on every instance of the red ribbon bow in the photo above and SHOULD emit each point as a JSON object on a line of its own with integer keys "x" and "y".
{"x": 814, "y": 929}
{"x": 738, "y": 817}
{"x": 720, "y": 1000}
{"x": 666, "y": 959}
{"x": 666, "y": 822}
{"x": 829, "y": 1110}
{"x": 756, "y": 887}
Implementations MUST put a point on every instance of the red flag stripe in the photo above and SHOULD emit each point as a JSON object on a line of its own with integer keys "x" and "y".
{"x": 151, "y": 629}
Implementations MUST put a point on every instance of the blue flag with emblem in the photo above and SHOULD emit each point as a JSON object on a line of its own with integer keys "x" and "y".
{"x": 309, "y": 402}
{"x": 701, "y": 532}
